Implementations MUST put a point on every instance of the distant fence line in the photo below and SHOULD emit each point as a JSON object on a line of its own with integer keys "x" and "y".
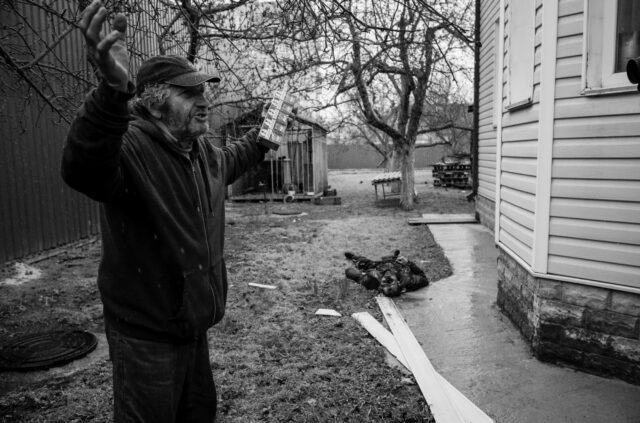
{"x": 366, "y": 157}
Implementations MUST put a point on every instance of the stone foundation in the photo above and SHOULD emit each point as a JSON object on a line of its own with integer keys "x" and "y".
{"x": 485, "y": 211}
{"x": 590, "y": 328}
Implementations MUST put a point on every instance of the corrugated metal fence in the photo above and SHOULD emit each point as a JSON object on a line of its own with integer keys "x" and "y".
{"x": 37, "y": 210}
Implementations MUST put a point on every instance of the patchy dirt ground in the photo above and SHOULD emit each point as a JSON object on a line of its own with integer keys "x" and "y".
{"x": 274, "y": 360}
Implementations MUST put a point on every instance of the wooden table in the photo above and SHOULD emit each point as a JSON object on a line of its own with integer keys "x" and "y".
{"x": 391, "y": 180}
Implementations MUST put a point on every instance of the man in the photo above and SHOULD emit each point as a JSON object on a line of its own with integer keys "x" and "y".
{"x": 162, "y": 276}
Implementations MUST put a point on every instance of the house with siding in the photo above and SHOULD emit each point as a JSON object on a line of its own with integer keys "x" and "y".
{"x": 558, "y": 163}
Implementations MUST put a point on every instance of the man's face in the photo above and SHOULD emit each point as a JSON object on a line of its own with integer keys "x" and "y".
{"x": 186, "y": 112}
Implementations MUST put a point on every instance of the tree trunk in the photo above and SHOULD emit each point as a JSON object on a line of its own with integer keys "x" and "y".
{"x": 394, "y": 162}
{"x": 406, "y": 156}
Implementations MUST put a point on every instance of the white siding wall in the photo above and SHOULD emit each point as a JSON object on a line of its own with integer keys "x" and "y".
{"x": 594, "y": 230}
{"x": 519, "y": 157}
{"x": 486, "y": 125}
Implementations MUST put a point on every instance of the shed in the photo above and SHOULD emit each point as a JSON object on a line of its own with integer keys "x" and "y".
{"x": 297, "y": 170}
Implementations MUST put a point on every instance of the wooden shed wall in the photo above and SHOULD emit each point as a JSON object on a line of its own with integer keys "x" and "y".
{"x": 308, "y": 160}
{"x": 594, "y": 228}
{"x": 320, "y": 160}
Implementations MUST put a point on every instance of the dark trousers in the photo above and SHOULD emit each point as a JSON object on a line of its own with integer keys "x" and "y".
{"x": 161, "y": 383}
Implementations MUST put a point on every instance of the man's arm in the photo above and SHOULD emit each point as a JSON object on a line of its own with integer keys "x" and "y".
{"x": 91, "y": 158}
{"x": 242, "y": 155}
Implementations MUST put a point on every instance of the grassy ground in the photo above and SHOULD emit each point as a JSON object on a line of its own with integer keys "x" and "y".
{"x": 274, "y": 360}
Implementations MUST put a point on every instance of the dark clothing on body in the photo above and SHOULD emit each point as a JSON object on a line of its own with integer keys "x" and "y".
{"x": 162, "y": 276}
{"x": 391, "y": 275}
{"x": 161, "y": 382}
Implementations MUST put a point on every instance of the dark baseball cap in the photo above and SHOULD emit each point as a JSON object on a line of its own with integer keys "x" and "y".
{"x": 172, "y": 70}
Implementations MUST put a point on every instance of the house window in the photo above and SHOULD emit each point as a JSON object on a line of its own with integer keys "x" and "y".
{"x": 612, "y": 37}
{"x": 521, "y": 53}
{"x": 627, "y": 36}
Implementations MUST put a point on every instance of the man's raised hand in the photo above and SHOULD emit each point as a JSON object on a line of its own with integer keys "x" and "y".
{"x": 109, "y": 53}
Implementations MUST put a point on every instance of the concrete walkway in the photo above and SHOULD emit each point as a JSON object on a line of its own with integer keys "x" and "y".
{"x": 483, "y": 355}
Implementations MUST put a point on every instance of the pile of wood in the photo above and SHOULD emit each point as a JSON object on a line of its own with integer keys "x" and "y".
{"x": 452, "y": 172}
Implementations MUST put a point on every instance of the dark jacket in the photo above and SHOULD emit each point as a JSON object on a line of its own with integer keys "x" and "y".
{"x": 162, "y": 276}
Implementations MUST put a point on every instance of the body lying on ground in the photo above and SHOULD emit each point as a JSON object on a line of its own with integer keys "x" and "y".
{"x": 391, "y": 275}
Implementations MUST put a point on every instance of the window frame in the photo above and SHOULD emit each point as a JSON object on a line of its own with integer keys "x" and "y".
{"x": 524, "y": 52}
{"x": 598, "y": 76}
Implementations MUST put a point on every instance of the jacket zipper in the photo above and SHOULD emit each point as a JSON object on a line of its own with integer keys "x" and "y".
{"x": 206, "y": 236}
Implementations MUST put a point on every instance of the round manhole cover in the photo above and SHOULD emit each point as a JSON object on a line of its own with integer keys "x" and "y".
{"x": 44, "y": 350}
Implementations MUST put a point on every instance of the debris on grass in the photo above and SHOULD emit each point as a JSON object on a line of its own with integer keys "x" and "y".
{"x": 262, "y": 286}
{"x": 327, "y": 312}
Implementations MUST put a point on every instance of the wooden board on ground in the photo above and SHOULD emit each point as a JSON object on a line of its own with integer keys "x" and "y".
{"x": 469, "y": 411}
{"x": 443, "y": 409}
{"x": 328, "y": 312}
{"x": 261, "y": 286}
{"x": 435, "y": 218}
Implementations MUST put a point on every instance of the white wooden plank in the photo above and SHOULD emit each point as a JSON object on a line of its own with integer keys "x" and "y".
{"x": 517, "y": 247}
{"x": 569, "y": 46}
{"x": 517, "y": 214}
{"x": 520, "y": 149}
{"x": 442, "y": 408}
{"x": 489, "y": 150}
{"x": 487, "y": 191}
{"x": 570, "y": 25}
{"x": 608, "y": 126}
{"x": 595, "y": 250}
{"x": 261, "y": 286}
{"x": 327, "y": 312}
{"x": 487, "y": 171}
{"x": 570, "y": 7}
{"x": 626, "y": 233}
{"x": 521, "y": 199}
{"x": 488, "y": 154}
{"x": 609, "y": 211}
{"x": 625, "y": 147}
{"x": 595, "y": 107}
{"x": 501, "y": 80}
{"x": 519, "y": 165}
{"x": 549, "y": 73}
{"x": 567, "y": 87}
{"x": 618, "y": 169}
{"x": 596, "y": 190}
{"x": 521, "y": 233}
{"x": 567, "y": 67}
{"x": 526, "y": 132}
{"x": 525, "y": 116}
{"x": 595, "y": 271}
{"x": 520, "y": 182}
{"x": 470, "y": 412}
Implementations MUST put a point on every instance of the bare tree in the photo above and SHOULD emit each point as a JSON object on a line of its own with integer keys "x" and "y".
{"x": 382, "y": 57}
{"x": 385, "y": 64}
{"x": 42, "y": 60}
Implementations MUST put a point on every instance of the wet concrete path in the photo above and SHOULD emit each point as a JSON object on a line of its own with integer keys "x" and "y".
{"x": 479, "y": 351}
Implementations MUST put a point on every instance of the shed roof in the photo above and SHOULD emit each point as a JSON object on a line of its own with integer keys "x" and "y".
{"x": 254, "y": 114}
